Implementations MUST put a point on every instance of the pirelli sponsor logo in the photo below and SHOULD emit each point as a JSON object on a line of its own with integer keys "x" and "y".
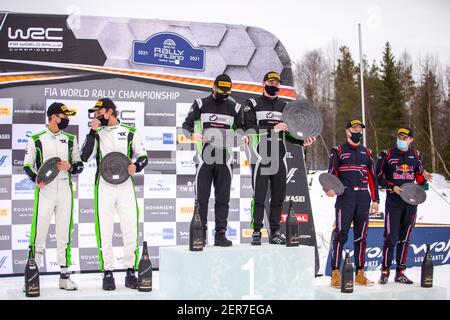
{"x": 186, "y": 210}
{"x": 225, "y": 84}
{"x": 5, "y": 111}
{"x": 4, "y": 212}
{"x": 247, "y": 233}
{"x": 182, "y": 139}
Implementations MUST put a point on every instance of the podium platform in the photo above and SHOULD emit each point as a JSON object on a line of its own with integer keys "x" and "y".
{"x": 87, "y": 294}
{"x": 237, "y": 272}
{"x": 389, "y": 291}
{"x": 90, "y": 288}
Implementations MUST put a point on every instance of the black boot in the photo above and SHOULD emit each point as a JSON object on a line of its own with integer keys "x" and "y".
{"x": 256, "y": 238}
{"x": 130, "y": 279}
{"x": 276, "y": 237}
{"x": 108, "y": 281}
{"x": 221, "y": 240}
{"x": 384, "y": 278}
{"x": 401, "y": 277}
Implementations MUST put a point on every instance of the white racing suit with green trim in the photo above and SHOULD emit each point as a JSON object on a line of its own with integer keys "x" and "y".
{"x": 110, "y": 198}
{"x": 56, "y": 197}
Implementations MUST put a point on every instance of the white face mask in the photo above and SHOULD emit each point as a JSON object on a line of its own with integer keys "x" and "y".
{"x": 402, "y": 144}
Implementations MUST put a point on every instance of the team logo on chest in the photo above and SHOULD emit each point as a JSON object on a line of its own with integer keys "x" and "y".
{"x": 122, "y": 135}
{"x": 213, "y": 118}
{"x": 406, "y": 172}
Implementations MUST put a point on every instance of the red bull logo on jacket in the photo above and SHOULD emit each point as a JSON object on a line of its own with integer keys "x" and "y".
{"x": 407, "y": 172}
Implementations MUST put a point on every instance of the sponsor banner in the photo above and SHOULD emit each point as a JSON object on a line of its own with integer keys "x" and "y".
{"x": 17, "y": 161}
{"x": 160, "y": 234}
{"x": 159, "y": 210}
{"x": 182, "y": 110}
{"x": 438, "y": 237}
{"x": 6, "y": 263}
{"x": 159, "y": 138}
{"x": 5, "y": 136}
{"x": 160, "y": 186}
{"x": 185, "y": 162}
{"x": 5, "y": 188}
{"x": 5, "y": 162}
{"x": 22, "y": 211}
{"x": 6, "y": 107}
{"x": 185, "y": 209}
{"x": 183, "y": 233}
{"x": 20, "y": 237}
{"x": 22, "y": 132}
{"x": 161, "y": 162}
{"x": 5, "y": 212}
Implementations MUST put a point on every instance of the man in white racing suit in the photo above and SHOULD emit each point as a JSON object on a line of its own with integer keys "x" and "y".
{"x": 107, "y": 135}
{"x": 56, "y": 197}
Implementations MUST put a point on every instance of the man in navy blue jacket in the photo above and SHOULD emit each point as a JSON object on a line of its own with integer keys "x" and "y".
{"x": 352, "y": 163}
{"x": 396, "y": 166}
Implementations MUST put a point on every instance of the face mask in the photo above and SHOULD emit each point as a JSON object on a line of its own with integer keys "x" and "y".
{"x": 402, "y": 144}
{"x": 271, "y": 90}
{"x": 63, "y": 124}
{"x": 220, "y": 97}
{"x": 356, "y": 137}
{"x": 103, "y": 121}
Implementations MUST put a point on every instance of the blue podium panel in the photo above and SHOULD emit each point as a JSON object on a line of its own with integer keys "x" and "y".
{"x": 238, "y": 272}
{"x": 390, "y": 291}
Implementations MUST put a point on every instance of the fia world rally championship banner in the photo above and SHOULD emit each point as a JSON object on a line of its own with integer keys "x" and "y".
{"x": 153, "y": 70}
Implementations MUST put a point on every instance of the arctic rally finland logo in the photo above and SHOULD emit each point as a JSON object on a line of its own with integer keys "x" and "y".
{"x": 168, "y": 49}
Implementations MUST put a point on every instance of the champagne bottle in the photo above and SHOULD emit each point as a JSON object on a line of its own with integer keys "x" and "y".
{"x": 196, "y": 235}
{"x": 426, "y": 279}
{"x": 145, "y": 271}
{"x": 292, "y": 232}
{"x": 347, "y": 275}
{"x": 32, "y": 288}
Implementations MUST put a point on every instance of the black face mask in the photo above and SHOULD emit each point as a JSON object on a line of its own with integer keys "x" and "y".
{"x": 103, "y": 121}
{"x": 356, "y": 137}
{"x": 271, "y": 90}
{"x": 220, "y": 97}
{"x": 63, "y": 124}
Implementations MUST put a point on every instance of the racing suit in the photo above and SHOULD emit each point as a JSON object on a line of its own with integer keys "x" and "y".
{"x": 55, "y": 197}
{"x": 110, "y": 198}
{"x": 394, "y": 168}
{"x": 261, "y": 115}
{"x": 354, "y": 166}
{"x": 212, "y": 113}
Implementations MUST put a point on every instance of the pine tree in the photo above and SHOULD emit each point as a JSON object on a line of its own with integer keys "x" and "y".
{"x": 404, "y": 67}
{"x": 373, "y": 101}
{"x": 425, "y": 116}
{"x": 441, "y": 126}
{"x": 346, "y": 91}
{"x": 392, "y": 112}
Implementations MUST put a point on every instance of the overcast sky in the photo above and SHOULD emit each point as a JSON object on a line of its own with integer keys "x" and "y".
{"x": 420, "y": 27}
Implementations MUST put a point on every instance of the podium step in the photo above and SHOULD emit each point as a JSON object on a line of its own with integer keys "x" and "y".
{"x": 237, "y": 272}
{"x": 389, "y": 291}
